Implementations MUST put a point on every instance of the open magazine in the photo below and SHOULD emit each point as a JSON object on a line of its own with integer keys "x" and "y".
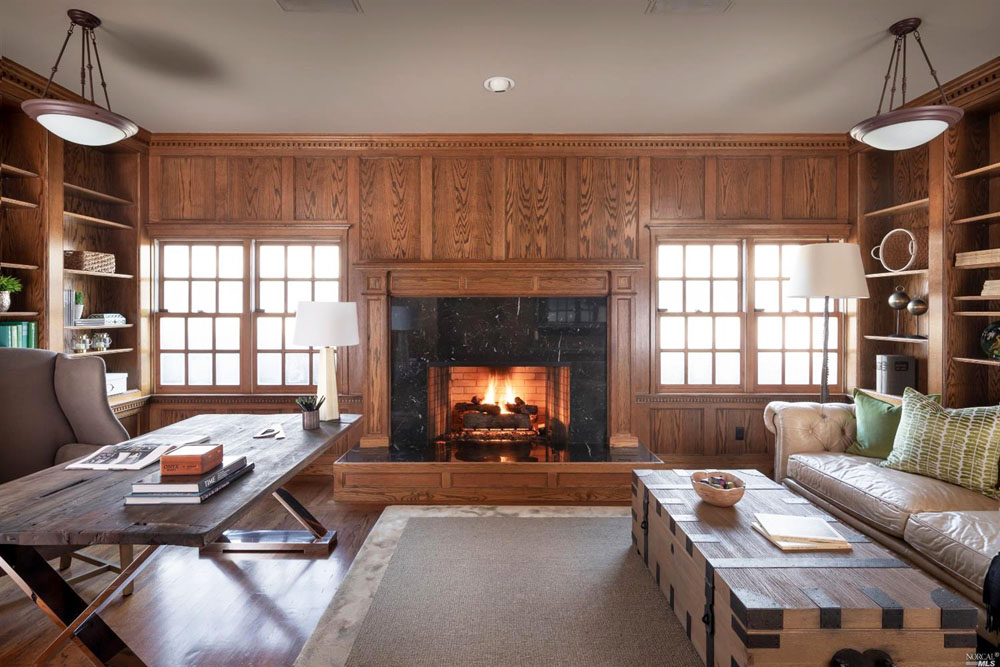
{"x": 135, "y": 454}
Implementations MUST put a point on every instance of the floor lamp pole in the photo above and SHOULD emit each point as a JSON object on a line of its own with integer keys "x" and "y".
{"x": 824, "y": 387}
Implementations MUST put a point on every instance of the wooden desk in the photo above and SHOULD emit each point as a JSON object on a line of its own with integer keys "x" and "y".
{"x": 59, "y": 507}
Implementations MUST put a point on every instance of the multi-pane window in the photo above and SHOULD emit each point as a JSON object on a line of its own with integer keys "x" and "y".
{"x": 288, "y": 273}
{"x": 789, "y": 330}
{"x": 700, "y": 319}
{"x": 201, "y": 300}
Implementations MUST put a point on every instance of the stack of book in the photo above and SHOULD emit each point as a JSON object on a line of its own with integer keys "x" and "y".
{"x": 19, "y": 334}
{"x": 100, "y": 320}
{"x": 169, "y": 488}
{"x": 799, "y": 533}
{"x": 991, "y": 288}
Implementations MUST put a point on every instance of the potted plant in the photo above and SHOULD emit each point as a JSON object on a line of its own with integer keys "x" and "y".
{"x": 310, "y": 410}
{"x": 77, "y": 306}
{"x": 8, "y": 285}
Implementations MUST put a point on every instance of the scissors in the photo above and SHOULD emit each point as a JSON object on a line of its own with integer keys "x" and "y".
{"x": 273, "y": 431}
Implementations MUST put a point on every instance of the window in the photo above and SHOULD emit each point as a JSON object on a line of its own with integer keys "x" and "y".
{"x": 700, "y": 316}
{"x": 725, "y": 322}
{"x": 286, "y": 275}
{"x": 225, "y": 323}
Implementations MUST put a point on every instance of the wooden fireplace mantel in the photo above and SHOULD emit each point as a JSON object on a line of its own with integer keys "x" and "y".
{"x": 618, "y": 281}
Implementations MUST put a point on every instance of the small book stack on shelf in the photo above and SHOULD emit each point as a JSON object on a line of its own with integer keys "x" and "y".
{"x": 100, "y": 320}
{"x": 991, "y": 288}
{"x": 799, "y": 533}
{"x": 18, "y": 334}
{"x": 193, "y": 489}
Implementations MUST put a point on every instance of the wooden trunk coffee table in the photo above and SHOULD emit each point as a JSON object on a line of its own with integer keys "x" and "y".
{"x": 745, "y": 602}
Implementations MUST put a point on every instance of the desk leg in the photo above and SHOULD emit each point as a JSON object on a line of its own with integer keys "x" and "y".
{"x": 63, "y": 605}
{"x": 315, "y": 540}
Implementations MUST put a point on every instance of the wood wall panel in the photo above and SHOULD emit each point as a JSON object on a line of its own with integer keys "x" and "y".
{"x": 535, "y": 208}
{"x": 743, "y": 188}
{"x": 677, "y": 430}
{"x": 255, "y": 188}
{"x": 608, "y": 208}
{"x": 756, "y": 438}
{"x": 809, "y": 188}
{"x": 677, "y": 188}
{"x": 187, "y": 188}
{"x": 463, "y": 208}
{"x": 320, "y": 188}
{"x": 390, "y": 208}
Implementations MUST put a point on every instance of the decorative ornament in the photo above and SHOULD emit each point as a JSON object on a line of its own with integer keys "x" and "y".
{"x": 879, "y": 251}
{"x": 917, "y": 307}
{"x": 898, "y": 301}
{"x": 990, "y": 340}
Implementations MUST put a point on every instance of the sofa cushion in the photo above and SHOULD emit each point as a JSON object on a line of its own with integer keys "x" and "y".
{"x": 879, "y": 496}
{"x": 74, "y": 450}
{"x": 963, "y": 543}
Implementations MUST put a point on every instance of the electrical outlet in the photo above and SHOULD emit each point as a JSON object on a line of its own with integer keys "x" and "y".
{"x": 740, "y": 433}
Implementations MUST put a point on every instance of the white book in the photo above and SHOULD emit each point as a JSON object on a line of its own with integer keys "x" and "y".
{"x": 135, "y": 454}
{"x": 788, "y": 527}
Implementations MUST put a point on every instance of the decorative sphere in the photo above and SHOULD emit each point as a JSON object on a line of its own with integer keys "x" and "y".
{"x": 917, "y": 307}
{"x": 899, "y": 299}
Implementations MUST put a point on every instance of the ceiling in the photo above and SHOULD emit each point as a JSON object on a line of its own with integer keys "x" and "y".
{"x": 580, "y": 65}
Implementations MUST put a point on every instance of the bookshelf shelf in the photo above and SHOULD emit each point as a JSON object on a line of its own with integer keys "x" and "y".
{"x": 987, "y": 171}
{"x": 99, "y": 274}
{"x": 897, "y": 339}
{"x": 99, "y": 326}
{"x": 981, "y": 362}
{"x": 10, "y": 202}
{"x": 101, "y": 353}
{"x": 15, "y": 172}
{"x": 986, "y": 217}
{"x": 18, "y": 314}
{"x": 908, "y": 207}
{"x": 87, "y": 193}
{"x": 91, "y": 220}
{"x": 18, "y": 266}
{"x": 979, "y": 265}
{"x": 978, "y": 313}
{"x": 892, "y": 274}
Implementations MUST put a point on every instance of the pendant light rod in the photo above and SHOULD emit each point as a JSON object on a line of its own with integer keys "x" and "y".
{"x": 55, "y": 68}
{"x": 100, "y": 71}
{"x": 927, "y": 58}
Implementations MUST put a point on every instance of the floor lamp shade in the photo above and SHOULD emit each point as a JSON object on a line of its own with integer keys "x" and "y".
{"x": 326, "y": 324}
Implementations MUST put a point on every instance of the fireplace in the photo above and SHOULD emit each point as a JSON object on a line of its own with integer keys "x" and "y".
{"x": 498, "y": 404}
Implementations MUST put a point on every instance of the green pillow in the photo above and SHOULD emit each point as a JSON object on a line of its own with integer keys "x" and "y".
{"x": 877, "y": 423}
{"x": 960, "y": 446}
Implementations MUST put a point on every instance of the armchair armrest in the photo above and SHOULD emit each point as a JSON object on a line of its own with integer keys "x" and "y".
{"x": 808, "y": 427}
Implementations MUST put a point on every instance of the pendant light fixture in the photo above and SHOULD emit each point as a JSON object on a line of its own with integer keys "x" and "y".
{"x": 903, "y": 128}
{"x": 81, "y": 122}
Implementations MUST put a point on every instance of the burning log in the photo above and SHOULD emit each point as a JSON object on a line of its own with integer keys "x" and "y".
{"x": 484, "y": 408}
{"x": 519, "y": 407}
{"x": 478, "y": 420}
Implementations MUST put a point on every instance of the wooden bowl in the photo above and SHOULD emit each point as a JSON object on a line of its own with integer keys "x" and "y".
{"x": 714, "y": 496}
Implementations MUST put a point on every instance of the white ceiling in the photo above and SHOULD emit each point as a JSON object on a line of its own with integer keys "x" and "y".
{"x": 580, "y": 65}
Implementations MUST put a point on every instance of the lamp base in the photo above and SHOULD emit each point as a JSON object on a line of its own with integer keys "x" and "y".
{"x": 326, "y": 385}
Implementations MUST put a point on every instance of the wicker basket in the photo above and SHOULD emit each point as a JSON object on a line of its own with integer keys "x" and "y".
{"x": 85, "y": 260}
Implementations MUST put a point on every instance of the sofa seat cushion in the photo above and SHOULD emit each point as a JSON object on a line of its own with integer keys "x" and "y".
{"x": 74, "y": 450}
{"x": 963, "y": 543}
{"x": 879, "y": 496}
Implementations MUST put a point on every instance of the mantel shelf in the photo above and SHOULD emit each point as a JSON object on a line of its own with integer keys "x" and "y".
{"x": 890, "y": 274}
{"x": 10, "y": 202}
{"x": 977, "y": 218}
{"x": 99, "y": 274}
{"x": 99, "y": 326}
{"x": 898, "y": 339}
{"x": 983, "y": 362}
{"x": 908, "y": 207}
{"x": 988, "y": 170}
{"x": 16, "y": 265}
{"x": 87, "y": 193}
{"x": 91, "y": 220}
{"x": 101, "y": 353}
{"x": 16, "y": 172}
{"x": 18, "y": 314}
{"x": 978, "y": 313}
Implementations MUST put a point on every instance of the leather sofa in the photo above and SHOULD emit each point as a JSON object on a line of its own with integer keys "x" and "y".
{"x": 948, "y": 531}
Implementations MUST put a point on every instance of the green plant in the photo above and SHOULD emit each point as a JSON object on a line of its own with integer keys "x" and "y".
{"x": 78, "y": 298}
{"x": 10, "y": 284}
{"x": 310, "y": 403}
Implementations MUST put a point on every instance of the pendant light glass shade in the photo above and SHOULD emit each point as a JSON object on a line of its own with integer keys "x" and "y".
{"x": 85, "y": 124}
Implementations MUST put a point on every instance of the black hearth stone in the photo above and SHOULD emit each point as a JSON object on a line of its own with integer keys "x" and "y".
{"x": 508, "y": 453}
{"x": 508, "y": 331}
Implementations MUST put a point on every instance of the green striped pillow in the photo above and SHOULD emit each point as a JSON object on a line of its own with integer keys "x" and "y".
{"x": 961, "y": 446}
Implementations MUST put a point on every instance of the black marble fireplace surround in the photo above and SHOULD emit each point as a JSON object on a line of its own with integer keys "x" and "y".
{"x": 499, "y": 331}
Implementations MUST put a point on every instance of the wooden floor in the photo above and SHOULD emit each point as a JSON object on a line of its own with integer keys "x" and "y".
{"x": 188, "y": 610}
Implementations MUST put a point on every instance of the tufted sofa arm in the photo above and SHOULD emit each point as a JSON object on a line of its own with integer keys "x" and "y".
{"x": 808, "y": 427}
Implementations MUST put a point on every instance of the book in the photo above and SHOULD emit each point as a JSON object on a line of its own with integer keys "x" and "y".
{"x": 191, "y": 460}
{"x": 792, "y": 545}
{"x": 798, "y": 528}
{"x": 157, "y": 483}
{"x": 185, "y": 498}
{"x": 134, "y": 454}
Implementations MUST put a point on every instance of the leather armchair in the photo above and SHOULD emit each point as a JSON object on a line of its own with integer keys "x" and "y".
{"x": 808, "y": 428}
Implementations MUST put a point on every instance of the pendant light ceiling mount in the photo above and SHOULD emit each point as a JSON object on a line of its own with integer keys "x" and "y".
{"x": 905, "y": 127}
{"x": 81, "y": 122}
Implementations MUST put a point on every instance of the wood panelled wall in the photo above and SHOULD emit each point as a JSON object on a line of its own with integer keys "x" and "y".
{"x": 505, "y": 214}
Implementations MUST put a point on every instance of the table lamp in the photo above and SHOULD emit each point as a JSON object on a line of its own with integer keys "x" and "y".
{"x": 831, "y": 271}
{"x": 326, "y": 325}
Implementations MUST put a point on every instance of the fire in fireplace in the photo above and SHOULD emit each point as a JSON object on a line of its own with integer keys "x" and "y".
{"x": 498, "y": 404}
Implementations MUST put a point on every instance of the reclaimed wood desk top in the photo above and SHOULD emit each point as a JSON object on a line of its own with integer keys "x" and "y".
{"x": 56, "y": 506}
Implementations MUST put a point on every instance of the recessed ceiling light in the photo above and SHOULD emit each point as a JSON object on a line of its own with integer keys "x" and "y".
{"x": 498, "y": 84}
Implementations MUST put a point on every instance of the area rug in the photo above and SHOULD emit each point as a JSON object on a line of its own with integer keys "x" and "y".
{"x": 493, "y": 586}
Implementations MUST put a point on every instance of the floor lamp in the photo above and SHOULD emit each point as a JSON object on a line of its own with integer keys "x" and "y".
{"x": 830, "y": 271}
{"x": 326, "y": 325}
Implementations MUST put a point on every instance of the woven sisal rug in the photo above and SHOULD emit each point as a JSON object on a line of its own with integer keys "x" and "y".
{"x": 489, "y": 586}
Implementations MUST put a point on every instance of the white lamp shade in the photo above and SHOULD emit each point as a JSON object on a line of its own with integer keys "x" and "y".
{"x": 828, "y": 269}
{"x": 326, "y": 324}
